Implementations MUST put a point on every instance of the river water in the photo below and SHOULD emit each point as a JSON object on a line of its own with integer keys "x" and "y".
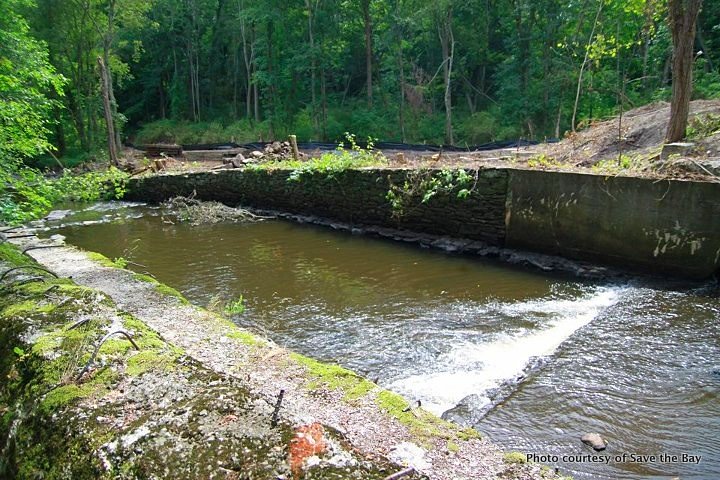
{"x": 532, "y": 360}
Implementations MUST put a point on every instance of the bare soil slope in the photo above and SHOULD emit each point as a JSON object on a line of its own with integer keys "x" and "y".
{"x": 640, "y": 131}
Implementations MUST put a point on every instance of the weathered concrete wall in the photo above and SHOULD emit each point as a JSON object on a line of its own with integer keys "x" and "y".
{"x": 353, "y": 196}
{"x": 669, "y": 227}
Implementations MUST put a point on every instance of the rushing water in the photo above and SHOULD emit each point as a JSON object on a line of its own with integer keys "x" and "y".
{"x": 533, "y": 360}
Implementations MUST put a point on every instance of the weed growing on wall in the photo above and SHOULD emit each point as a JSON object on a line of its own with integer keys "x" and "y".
{"x": 423, "y": 185}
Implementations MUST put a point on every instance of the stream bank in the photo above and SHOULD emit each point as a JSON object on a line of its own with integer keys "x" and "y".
{"x": 197, "y": 399}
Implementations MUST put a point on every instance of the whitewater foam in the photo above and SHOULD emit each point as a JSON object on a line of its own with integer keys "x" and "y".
{"x": 476, "y": 367}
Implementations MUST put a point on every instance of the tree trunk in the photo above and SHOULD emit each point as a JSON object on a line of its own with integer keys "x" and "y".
{"x": 313, "y": 64}
{"x": 107, "y": 108}
{"x": 365, "y": 5}
{"x": 401, "y": 69}
{"x": 401, "y": 66}
{"x": 323, "y": 102}
{"x": 107, "y": 47}
{"x": 649, "y": 12}
{"x": 584, "y": 63}
{"x": 447, "y": 43}
{"x": 682, "y": 16}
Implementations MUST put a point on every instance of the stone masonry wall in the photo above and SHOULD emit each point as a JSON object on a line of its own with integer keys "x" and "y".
{"x": 352, "y": 196}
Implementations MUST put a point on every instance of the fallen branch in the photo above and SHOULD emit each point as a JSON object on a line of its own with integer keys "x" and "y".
{"x": 195, "y": 212}
{"x": 402, "y": 473}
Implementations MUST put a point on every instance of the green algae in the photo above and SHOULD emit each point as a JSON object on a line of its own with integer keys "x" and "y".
{"x": 422, "y": 424}
{"x": 514, "y": 457}
{"x": 161, "y": 287}
{"x": 12, "y": 255}
{"x": 245, "y": 337}
{"x": 334, "y": 377}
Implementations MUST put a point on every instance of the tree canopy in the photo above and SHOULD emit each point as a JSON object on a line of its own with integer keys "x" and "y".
{"x": 413, "y": 70}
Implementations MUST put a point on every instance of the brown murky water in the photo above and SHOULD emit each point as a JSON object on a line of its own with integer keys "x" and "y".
{"x": 534, "y": 361}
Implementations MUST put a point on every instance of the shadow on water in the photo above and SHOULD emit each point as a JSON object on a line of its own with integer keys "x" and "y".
{"x": 532, "y": 360}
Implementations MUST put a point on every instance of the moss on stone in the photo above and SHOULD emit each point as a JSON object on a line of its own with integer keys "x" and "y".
{"x": 167, "y": 290}
{"x": 115, "y": 346}
{"x": 101, "y": 259}
{"x": 144, "y": 278}
{"x": 245, "y": 337}
{"x": 12, "y": 255}
{"x": 147, "y": 360}
{"x": 514, "y": 457}
{"x": 161, "y": 287}
{"x": 146, "y": 337}
{"x": 422, "y": 424}
{"x": 60, "y": 285}
{"x": 334, "y": 377}
{"x": 51, "y": 341}
{"x": 64, "y": 395}
{"x": 27, "y": 307}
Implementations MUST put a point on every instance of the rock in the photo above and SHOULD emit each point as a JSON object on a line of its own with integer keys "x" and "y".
{"x": 595, "y": 441}
{"x": 681, "y": 149}
{"x": 238, "y": 161}
{"x": 468, "y": 412}
{"x": 409, "y": 454}
{"x": 57, "y": 214}
{"x": 257, "y": 154}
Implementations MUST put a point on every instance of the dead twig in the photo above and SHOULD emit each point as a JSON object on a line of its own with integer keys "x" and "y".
{"x": 38, "y": 247}
{"x": 276, "y": 412}
{"x": 196, "y": 212}
{"x": 402, "y": 473}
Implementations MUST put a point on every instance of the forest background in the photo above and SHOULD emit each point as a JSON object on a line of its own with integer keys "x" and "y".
{"x": 441, "y": 72}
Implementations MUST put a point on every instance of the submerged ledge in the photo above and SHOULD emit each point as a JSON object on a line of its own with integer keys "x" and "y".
{"x": 199, "y": 395}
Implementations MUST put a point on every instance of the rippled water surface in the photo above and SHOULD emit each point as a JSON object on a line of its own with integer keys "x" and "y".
{"x": 532, "y": 360}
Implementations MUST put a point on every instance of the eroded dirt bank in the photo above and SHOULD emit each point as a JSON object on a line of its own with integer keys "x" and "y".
{"x": 199, "y": 399}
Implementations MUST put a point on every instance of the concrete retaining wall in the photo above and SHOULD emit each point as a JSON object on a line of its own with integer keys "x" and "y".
{"x": 668, "y": 227}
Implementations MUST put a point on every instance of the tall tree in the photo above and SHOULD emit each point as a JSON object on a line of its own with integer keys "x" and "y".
{"x": 447, "y": 44}
{"x": 367, "y": 23}
{"x": 26, "y": 82}
{"x": 682, "y": 17}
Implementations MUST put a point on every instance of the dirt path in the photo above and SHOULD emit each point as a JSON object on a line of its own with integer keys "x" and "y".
{"x": 371, "y": 419}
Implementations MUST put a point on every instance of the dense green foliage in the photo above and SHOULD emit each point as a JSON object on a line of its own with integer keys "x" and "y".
{"x": 202, "y": 71}
{"x": 28, "y": 194}
{"x": 31, "y": 91}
